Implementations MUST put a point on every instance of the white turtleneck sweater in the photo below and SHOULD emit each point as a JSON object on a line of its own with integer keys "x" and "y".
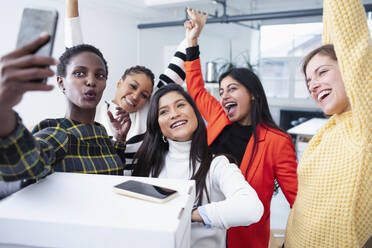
{"x": 233, "y": 201}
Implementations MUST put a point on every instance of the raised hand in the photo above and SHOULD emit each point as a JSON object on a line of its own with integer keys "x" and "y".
{"x": 17, "y": 70}
{"x": 121, "y": 124}
{"x": 194, "y": 25}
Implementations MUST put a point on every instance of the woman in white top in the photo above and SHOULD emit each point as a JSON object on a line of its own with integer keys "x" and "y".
{"x": 175, "y": 146}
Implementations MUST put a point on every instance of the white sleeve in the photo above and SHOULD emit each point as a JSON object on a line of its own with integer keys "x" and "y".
{"x": 73, "y": 34}
{"x": 241, "y": 206}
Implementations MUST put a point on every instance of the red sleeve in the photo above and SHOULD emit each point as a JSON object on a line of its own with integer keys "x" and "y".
{"x": 208, "y": 106}
{"x": 286, "y": 168}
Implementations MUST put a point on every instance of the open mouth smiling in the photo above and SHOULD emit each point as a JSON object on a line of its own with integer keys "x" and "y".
{"x": 178, "y": 124}
{"x": 129, "y": 102}
{"x": 323, "y": 94}
{"x": 230, "y": 106}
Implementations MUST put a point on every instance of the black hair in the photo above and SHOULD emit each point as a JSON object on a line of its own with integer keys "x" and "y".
{"x": 138, "y": 69}
{"x": 71, "y": 52}
{"x": 150, "y": 158}
{"x": 260, "y": 112}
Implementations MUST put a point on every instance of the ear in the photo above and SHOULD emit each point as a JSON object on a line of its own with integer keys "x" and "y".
{"x": 119, "y": 82}
{"x": 61, "y": 84}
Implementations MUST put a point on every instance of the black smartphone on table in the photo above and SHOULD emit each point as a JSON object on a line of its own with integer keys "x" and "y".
{"x": 34, "y": 22}
{"x": 145, "y": 191}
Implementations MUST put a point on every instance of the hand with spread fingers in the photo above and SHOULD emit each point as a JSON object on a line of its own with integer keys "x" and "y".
{"x": 194, "y": 25}
{"x": 121, "y": 123}
{"x": 17, "y": 71}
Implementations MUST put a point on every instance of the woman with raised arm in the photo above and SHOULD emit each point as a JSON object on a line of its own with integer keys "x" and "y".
{"x": 334, "y": 201}
{"x": 134, "y": 88}
{"x": 74, "y": 143}
{"x": 175, "y": 146}
{"x": 241, "y": 125}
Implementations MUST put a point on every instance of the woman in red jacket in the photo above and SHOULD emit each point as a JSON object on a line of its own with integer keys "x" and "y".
{"x": 241, "y": 125}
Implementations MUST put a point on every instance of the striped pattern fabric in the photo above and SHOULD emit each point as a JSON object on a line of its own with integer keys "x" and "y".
{"x": 61, "y": 145}
{"x": 333, "y": 207}
{"x": 133, "y": 145}
{"x": 175, "y": 72}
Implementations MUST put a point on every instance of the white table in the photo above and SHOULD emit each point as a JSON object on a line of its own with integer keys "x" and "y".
{"x": 80, "y": 210}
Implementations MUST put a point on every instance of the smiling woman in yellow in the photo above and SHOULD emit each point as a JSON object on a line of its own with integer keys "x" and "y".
{"x": 333, "y": 207}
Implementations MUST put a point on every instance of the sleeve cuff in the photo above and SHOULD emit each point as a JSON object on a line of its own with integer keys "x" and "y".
{"x": 15, "y": 135}
{"x": 203, "y": 213}
{"x": 73, "y": 33}
{"x": 192, "y": 53}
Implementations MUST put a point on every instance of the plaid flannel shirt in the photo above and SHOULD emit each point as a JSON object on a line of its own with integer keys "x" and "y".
{"x": 62, "y": 145}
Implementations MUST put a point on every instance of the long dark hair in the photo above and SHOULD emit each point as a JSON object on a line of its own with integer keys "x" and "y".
{"x": 260, "y": 112}
{"x": 150, "y": 157}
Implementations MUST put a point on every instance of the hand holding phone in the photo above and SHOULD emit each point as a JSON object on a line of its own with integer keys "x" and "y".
{"x": 35, "y": 22}
{"x": 145, "y": 191}
{"x": 17, "y": 69}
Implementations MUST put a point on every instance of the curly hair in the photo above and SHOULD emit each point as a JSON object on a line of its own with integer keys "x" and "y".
{"x": 138, "y": 69}
{"x": 71, "y": 52}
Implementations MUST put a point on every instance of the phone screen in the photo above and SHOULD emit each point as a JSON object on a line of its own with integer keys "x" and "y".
{"x": 34, "y": 22}
{"x": 145, "y": 189}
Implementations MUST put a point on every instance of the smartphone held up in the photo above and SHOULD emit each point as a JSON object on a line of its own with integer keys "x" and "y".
{"x": 35, "y": 22}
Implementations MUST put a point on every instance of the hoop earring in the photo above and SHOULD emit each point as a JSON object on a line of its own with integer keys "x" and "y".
{"x": 164, "y": 139}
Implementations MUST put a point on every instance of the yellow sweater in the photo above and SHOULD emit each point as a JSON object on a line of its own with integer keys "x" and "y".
{"x": 333, "y": 207}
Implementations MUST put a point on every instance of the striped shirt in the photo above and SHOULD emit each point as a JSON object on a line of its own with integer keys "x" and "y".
{"x": 175, "y": 73}
{"x": 62, "y": 145}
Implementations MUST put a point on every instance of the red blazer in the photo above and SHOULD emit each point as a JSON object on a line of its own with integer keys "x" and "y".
{"x": 275, "y": 159}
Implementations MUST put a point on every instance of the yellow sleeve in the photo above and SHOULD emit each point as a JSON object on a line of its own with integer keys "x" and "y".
{"x": 345, "y": 26}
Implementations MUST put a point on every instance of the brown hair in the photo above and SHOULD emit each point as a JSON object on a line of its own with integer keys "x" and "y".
{"x": 327, "y": 50}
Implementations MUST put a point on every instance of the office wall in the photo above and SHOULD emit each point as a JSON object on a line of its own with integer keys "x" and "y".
{"x": 214, "y": 44}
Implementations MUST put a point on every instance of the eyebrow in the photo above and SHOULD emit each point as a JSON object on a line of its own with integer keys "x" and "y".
{"x": 136, "y": 82}
{"x": 86, "y": 68}
{"x": 316, "y": 70}
{"x": 79, "y": 67}
{"x": 179, "y": 100}
{"x": 230, "y": 84}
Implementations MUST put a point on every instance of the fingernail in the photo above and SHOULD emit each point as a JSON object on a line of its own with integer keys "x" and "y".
{"x": 44, "y": 34}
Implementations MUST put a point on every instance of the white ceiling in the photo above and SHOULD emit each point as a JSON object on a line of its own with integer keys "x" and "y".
{"x": 173, "y": 10}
